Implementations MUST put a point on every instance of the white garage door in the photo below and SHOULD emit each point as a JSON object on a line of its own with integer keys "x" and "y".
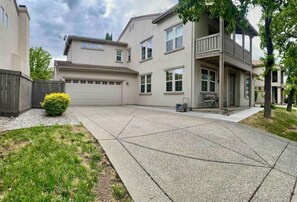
{"x": 90, "y": 92}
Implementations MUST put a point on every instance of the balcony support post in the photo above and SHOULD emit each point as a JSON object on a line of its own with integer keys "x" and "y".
{"x": 221, "y": 67}
{"x": 243, "y": 45}
{"x": 251, "y": 90}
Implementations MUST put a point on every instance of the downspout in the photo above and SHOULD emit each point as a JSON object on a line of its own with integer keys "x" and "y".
{"x": 192, "y": 61}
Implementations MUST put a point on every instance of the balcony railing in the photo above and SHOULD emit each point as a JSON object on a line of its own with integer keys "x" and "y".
{"x": 210, "y": 45}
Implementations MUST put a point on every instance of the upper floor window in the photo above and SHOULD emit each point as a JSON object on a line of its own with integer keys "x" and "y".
{"x": 174, "y": 80}
{"x": 119, "y": 56}
{"x": 208, "y": 80}
{"x": 129, "y": 55}
{"x": 146, "y": 49}
{"x": 274, "y": 76}
{"x": 3, "y": 17}
{"x": 146, "y": 84}
{"x": 174, "y": 38}
{"x": 93, "y": 46}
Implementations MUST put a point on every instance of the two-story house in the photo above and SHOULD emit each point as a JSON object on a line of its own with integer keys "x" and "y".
{"x": 14, "y": 37}
{"x": 160, "y": 61}
{"x": 277, "y": 83}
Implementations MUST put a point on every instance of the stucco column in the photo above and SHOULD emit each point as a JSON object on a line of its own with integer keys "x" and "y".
{"x": 221, "y": 67}
{"x": 279, "y": 95}
{"x": 251, "y": 91}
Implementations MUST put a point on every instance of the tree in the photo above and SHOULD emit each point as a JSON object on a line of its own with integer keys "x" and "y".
{"x": 290, "y": 63}
{"x": 191, "y": 10}
{"x": 108, "y": 36}
{"x": 39, "y": 64}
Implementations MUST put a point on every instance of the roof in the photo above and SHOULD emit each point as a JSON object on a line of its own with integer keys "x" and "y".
{"x": 250, "y": 29}
{"x": 257, "y": 63}
{"x": 71, "y": 38}
{"x": 165, "y": 14}
{"x": 69, "y": 66}
{"x": 141, "y": 17}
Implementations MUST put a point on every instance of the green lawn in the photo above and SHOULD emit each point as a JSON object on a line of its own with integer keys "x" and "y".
{"x": 59, "y": 163}
{"x": 282, "y": 123}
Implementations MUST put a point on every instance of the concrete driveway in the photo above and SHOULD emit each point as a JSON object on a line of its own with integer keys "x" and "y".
{"x": 174, "y": 157}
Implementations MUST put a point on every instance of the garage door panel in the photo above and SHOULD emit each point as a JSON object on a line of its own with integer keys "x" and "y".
{"x": 94, "y": 94}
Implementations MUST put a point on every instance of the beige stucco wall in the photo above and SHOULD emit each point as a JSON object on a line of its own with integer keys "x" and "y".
{"x": 129, "y": 81}
{"x": 14, "y": 40}
{"x": 259, "y": 83}
{"x": 106, "y": 57}
{"x": 144, "y": 29}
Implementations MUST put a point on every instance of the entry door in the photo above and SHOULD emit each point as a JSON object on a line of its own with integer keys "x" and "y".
{"x": 231, "y": 89}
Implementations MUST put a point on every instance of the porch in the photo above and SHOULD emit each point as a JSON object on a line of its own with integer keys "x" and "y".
{"x": 228, "y": 57}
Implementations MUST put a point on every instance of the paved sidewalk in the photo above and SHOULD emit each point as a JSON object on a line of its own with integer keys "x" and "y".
{"x": 236, "y": 117}
{"x": 163, "y": 156}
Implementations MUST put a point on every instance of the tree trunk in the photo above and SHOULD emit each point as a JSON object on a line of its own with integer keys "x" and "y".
{"x": 269, "y": 65}
{"x": 290, "y": 100}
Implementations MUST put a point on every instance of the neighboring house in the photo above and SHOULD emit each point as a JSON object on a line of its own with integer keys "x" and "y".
{"x": 159, "y": 61}
{"x": 277, "y": 83}
{"x": 14, "y": 37}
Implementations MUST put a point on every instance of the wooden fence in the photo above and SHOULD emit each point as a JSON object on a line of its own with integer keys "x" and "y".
{"x": 41, "y": 88}
{"x": 15, "y": 93}
{"x": 19, "y": 93}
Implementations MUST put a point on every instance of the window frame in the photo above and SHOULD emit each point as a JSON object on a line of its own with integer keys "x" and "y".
{"x": 2, "y": 15}
{"x": 146, "y": 52}
{"x": 208, "y": 80}
{"x": 173, "y": 80}
{"x": 144, "y": 83}
{"x": 129, "y": 55}
{"x": 247, "y": 86}
{"x": 173, "y": 37}
{"x": 119, "y": 56}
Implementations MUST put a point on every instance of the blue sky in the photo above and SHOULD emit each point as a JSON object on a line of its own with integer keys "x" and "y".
{"x": 94, "y": 18}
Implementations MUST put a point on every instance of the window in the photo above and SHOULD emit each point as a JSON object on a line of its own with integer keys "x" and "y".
{"x": 82, "y": 81}
{"x": 90, "y": 82}
{"x": 119, "y": 56}
{"x": 146, "y": 83}
{"x": 75, "y": 81}
{"x": 274, "y": 76}
{"x": 247, "y": 86}
{"x": 174, "y": 80}
{"x": 104, "y": 82}
{"x": 68, "y": 81}
{"x": 93, "y": 46}
{"x": 2, "y": 15}
{"x": 174, "y": 38}
{"x": 98, "y": 82}
{"x": 146, "y": 49}
{"x": 129, "y": 55}
{"x": 84, "y": 45}
{"x": 111, "y": 83}
{"x": 208, "y": 80}
{"x": 118, "y": 83}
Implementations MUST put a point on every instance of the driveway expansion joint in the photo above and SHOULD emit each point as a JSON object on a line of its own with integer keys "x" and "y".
{"x": 245, "y": 143}
{"x": 294, "y": 192}
{"x": 272, "y": 168}
{"x": 125, "y": 127}
{"x": 194, "y": 158}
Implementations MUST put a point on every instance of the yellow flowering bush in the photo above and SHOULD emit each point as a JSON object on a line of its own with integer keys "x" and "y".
{"x": 55, "y": 104}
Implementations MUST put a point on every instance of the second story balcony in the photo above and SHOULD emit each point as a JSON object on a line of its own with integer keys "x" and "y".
{"x": 211, "y": 45}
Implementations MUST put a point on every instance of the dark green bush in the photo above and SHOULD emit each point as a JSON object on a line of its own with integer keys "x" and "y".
{"x": 55, "y": 104}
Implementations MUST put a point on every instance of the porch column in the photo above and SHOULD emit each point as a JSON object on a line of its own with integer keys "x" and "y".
{"x": 221, "y": 68}
{"x": 243, "y": 45}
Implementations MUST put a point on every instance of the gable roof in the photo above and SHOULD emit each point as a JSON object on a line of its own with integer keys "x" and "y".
{"x": 250, "y": 29}
{"x": 71, "y": 38}
{"x": 141, "y": 17}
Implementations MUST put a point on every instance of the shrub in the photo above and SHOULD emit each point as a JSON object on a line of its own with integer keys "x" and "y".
{"x": 256, "y": 95}
{"x": 55, "y": 104}
{"x": 273, "y": 106}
